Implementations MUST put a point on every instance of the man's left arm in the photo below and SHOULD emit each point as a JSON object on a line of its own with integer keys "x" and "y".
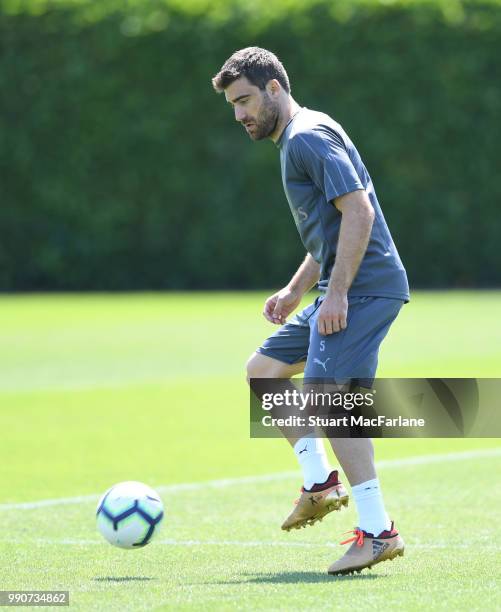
{"x": 356, "y": 225}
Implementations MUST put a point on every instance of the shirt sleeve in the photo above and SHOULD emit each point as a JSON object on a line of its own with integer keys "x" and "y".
{"x": 323, "y": 156}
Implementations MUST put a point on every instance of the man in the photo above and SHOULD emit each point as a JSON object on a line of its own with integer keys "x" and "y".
{"x": 351, "y": 254}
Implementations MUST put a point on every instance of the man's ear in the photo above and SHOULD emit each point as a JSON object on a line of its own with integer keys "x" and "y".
{"x": 273, "y": 87}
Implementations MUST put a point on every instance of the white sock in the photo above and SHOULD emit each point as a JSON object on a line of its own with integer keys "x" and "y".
{"x": 370, "y": 506}
{"x": 310, "y": 453}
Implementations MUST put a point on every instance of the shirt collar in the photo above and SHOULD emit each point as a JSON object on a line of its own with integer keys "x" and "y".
{"x": 279, "y": 142}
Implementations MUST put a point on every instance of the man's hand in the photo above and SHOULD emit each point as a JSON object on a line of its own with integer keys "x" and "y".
{"x": 279, "y": 305}
{"x": 332, "y": 313}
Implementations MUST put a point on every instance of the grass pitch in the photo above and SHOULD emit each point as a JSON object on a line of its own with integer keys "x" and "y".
{"x": 99, "y": 389}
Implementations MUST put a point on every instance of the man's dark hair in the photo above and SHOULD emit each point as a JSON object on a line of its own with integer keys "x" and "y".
{"x": 258, "y": 65}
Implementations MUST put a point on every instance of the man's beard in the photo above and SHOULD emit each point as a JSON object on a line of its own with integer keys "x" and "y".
{"x": 268, "y": 119}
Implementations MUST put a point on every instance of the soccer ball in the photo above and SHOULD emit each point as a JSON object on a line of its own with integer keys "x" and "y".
{"x": 129, "y": 514}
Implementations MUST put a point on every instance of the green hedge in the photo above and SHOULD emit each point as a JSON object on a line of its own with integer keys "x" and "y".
{"x": 121, "y": 169}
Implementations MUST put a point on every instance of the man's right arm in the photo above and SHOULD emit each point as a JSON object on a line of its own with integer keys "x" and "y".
{"x": 280, "y": 305}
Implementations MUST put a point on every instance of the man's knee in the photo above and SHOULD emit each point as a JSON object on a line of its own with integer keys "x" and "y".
{"x": 262, "y": 366}
{"x": 255, "y": 367}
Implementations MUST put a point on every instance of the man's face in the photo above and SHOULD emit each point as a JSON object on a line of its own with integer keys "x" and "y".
{"x": 257, "y": 110}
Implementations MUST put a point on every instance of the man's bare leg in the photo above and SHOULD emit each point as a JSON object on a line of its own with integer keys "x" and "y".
{"x": 375, "y": 539}
{"x": 356, "y": 457}
{"x": 262, "y": 366}
{"x": 322, "y": 492}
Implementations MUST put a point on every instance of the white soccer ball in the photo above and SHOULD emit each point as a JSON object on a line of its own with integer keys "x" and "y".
{"x": 129, "y": 514}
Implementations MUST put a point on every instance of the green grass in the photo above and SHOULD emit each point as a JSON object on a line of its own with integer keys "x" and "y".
{"x": 99, "y": 389}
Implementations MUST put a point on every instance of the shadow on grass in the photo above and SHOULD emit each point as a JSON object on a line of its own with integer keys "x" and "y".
{"x": 123, "y": 579}
{"x": 297, "y": 577}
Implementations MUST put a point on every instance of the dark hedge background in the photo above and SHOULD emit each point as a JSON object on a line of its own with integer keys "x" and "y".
{"x": 122, "y": 169}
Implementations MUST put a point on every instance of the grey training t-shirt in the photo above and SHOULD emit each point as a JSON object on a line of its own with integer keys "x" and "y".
{"x": 319, "y": 163}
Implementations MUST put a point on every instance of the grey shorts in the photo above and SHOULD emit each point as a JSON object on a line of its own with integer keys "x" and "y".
{"x": 345, "y": 355}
